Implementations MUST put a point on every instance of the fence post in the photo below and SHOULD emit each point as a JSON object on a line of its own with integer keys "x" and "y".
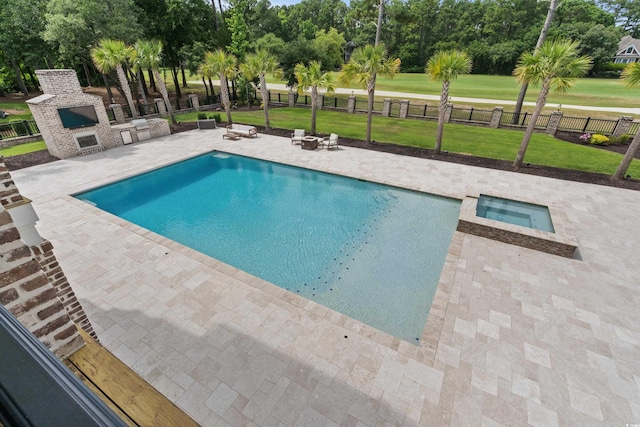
{"x": 447, "y": 112}
{"x": 404, "y": 108}
{"x": 554, "y": 122}
{"x": 118, "y": 114}
{"x": 471, "y": 114}
{"x": 351, "y": 104}
{"x": 623, "y": 125}
{"x": 268, "y": 100}
{"x": 386, "y": 107}
{"x": 319, "y": 101}
{"x": 524, "y": 118}
{"x": 195, "y": 103}
{"x": 162, "y": 109}
{"x": 586, "y": 124}
{"x": 292, "y": 98}
{"x": 496, "y": 116}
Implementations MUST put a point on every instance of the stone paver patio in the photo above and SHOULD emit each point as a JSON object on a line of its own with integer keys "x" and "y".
{"x": 515, "y": 336}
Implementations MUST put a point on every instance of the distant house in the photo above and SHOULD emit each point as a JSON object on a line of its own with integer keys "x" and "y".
{"x": 628, "y": 50}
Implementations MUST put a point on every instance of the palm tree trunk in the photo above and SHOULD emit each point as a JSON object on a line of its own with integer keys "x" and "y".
{"x": 371, "y": 88}
{"x": 314, "y": 95}
{"x": 265, "y": 100}
{"x": 124, "y": 83}
{"x": 444, "y": 98}
{"x": 542, "y": 99}
{"x": 108, "y": 87}
{"x": 152, "y": 81}
{"x": 628, "y": 157}
{"x": 165, "y": 94}
{"x": 224, "y": 97}
{"x": 142, "y": 92}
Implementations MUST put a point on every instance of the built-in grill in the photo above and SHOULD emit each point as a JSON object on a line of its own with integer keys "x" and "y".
{"x": 140, "y": 124}
{"x": 142, "y": 129}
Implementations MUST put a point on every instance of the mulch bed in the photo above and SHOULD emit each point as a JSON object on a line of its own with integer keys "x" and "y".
{"x": 39, "y": 157}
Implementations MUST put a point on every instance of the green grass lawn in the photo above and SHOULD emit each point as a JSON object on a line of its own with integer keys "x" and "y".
{"x": 477, "y": 141}
{"x": 17, "y": 111}
{"x": 29, "y": 147}
{"x": 593, "y": 92}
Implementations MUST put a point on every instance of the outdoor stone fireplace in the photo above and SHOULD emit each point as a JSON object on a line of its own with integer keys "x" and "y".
{"x": 71, "y": 122}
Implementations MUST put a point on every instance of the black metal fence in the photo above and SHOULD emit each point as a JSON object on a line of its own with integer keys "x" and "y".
{"x": 16, "y": 129}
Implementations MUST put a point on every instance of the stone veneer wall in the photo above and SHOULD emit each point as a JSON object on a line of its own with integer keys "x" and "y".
{"x": 62, "y": 90}
{"x": 532, "y": 242}
{"x": 33, "y": 287}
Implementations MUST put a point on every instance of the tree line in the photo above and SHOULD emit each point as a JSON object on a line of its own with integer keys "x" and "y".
{"x": 60, "y": 33}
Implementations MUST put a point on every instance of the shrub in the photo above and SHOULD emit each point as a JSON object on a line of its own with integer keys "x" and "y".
{"x": 217, "y": 117}
{"x": 598, "y": 139}
{"x": 202, "y": 116}
{"x": 620, "y": 140}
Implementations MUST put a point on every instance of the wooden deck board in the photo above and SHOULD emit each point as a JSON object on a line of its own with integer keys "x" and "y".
{"x": 123, "y": 388}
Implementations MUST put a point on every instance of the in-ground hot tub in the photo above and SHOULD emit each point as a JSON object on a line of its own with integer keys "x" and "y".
{"x": 519, "y": 222}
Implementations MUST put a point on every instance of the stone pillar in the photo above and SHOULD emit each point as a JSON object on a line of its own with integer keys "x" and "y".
{"x": 319, "y": 101}
{"x": 351, "y": 104}
{"x": 623, "y": 126}
{"x": 292, "y": 98}
{"x": 447, "y": 112}
{"x": 193, "y": 99}
{"x": 118, "y": 113}
{"x": 554, "y": 122}
{"x": 162, "y": 108}
{"x": 496, "y": 117}
{"x": 386, "y": 107}
{"x": 404, "y": 108}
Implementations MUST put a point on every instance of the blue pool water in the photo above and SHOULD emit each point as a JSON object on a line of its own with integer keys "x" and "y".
{"x": 515, "y": 212}
{"x": 370, "y": 251}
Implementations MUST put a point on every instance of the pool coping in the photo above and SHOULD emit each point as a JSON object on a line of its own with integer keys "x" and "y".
{"x": 561, "y": 242}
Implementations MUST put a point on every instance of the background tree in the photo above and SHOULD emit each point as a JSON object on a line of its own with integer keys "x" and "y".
{"x": 149, "y": 56}
{"x": 330, "y": 47}
{"x": 223, "y": 65}
{"x": 314, "y": 78}
{"x": 445, "y": 66}
{"x": 363, "y": 67}
{"x": 555, "y": 65}
{"x": 258, "y": 65}
{"x": 75, "y": 26}
{"x": 109, "y": 55}
{"x": 631, "y": 79}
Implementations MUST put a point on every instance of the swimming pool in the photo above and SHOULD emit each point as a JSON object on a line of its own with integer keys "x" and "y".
{"x": 370, "y": 251}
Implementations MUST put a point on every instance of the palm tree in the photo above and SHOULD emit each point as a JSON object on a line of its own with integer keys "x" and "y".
{"x": 258, "y": 65}
{"x": 223, "y": 65}
{"x": 444, "y": 66}
{"x": 110, "y": 55}
{"x": 149, "y": 55}
{"x": 555, "y": 65}
{"x": 631, "y": 79}
{"x": 313, "y": 77}
{"x": 363, "y": 67}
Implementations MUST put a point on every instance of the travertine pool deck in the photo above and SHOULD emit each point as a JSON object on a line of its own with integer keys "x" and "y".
{"x": 516, "y": 336}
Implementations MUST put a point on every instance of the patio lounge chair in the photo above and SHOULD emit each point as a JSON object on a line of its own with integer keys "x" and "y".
{"x": 331, "y": 142}
{"x": 296, "y": 136}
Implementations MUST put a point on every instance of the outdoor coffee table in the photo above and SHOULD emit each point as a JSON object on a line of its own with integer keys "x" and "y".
{"x": 309, "y": 143}
{"x": 233, "y": 136}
